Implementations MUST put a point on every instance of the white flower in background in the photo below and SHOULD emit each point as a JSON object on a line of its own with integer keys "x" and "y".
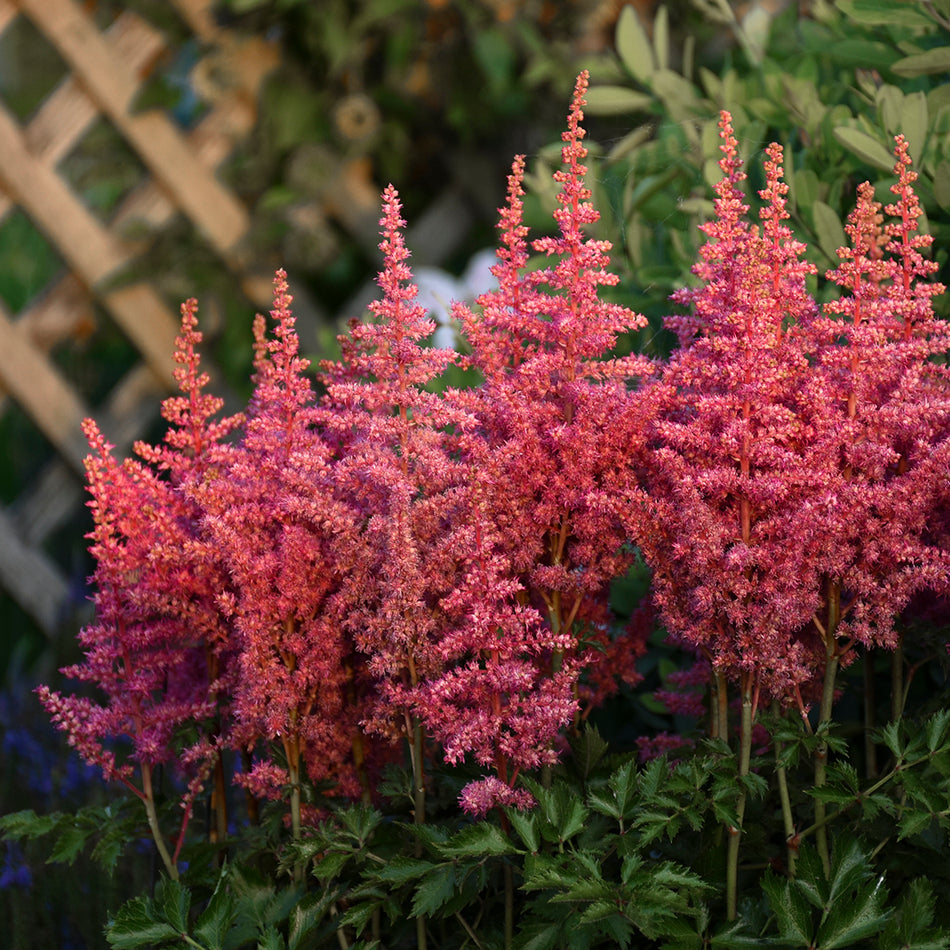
{"x": 437, "y": 291}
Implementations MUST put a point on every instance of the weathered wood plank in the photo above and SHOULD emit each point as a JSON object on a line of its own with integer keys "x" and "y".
{"x": 88, "y": 248}
{"x": 32, "y": 579}
{"x": 41, "y": 391}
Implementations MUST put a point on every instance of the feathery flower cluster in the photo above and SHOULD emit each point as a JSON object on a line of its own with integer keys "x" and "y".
{"x": 159, "y": 648}
{"x": 433, "y": 566}
{"x": 793, "y": 465}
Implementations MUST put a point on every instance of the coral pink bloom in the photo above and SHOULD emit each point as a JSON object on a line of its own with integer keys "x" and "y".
{"x": 159, "y": 649}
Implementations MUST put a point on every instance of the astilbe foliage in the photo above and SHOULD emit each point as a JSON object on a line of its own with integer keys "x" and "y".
{"x": 287, "y": 540}
{"x": 159, "y": 648}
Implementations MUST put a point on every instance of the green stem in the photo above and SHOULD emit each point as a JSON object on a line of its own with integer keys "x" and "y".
{"x": 827, "y": 706}
{"x": 152, "y": 814}
{"x": 897, "y": 682}
{"x": 735, "y": 833}
{"x": 509, "y": 907}
{"x": 788, "y": 819}
{"x": 870, "y": 749}
{"x": 419, "y": 809}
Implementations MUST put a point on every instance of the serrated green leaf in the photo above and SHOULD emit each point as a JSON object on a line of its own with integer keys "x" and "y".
{"x": 173, "y": 900}
{"x": 400, "y": 870}
{"x": 476, "y": 841}
{"x": 924, "y": 64}
{"x": 136, "y": 925}
{"x": 217, "y": 917}
{"x": 909, "y": 929}
{"x": 305, "y": 917}
{"x": 271, "y": 939}
{"x": 361, "y": 821}
{"x": 526, "y": 827}
{"x": 330, "y": 865}
{"x": 855, "y": 917}
{"x": 539, "y": 936}
{"x": 792, "y": 911}
{"x": 358, "y": 916}
{"x": 72, "y": 839}
{"x": 623, "y": 783}
{"x": 633, "y": 45}
{"x": 936, "y": 729}
{"x": 587, "y": 750}
{"x": 27, "y": 824}
{"x": 615, "y": 100}
{"x": 437, "y": 889}
{"x": 865, "y": 146}
{"x": 913, "y": 823}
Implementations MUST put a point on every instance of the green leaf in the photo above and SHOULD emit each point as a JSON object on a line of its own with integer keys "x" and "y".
{"x": 828, "y": 228}
{"x": 72, "y": 839}
{"x": 304, "y": 917}
{"x": 854, "y": 916}
{"x": 271, "y": 940}
{"x": 400, "y": 870}
{"x": 217, "y": 917}
{"x": 27, "y": 824}
{"x": 476, "y": 841}
{"x": 526, "y": 825}
{"x": 865, "y": 146}
{"x": 936, "y": 727}
{"x": 910, "y": 929}
{"x": 791, "y": 910}
{"x": 330, "y": 865}
{"x": 623, "y": 783}
{"x": 136, "y": 925}
{"x": 173, "y": 901}
{"x": 924, "y": 64}
{"x": 884, "y": 12}
{"x": 913, "y": 823}
{"x": 437, "y": 889}
{"x": 588, "y": 749}
{"x": 615, "y": 100}
{"x": 633, "y": 45}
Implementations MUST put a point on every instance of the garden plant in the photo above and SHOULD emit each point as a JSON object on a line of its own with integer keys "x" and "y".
{"x": 360, "y": 653}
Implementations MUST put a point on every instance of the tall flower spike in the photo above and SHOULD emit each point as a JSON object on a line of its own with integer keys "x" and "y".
{"x": 286, "y": 539}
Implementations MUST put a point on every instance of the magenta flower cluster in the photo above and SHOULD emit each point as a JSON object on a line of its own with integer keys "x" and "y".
{"x": 397, "y": 560}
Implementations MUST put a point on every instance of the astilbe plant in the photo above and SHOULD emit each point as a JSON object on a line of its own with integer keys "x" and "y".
{"x": 556, "y": 420}
{"x": 159, "y": 647}
{"x": 287, "y": 540}
{"x": 791, "y": 474}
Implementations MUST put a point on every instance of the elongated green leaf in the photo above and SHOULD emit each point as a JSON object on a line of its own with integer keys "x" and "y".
{"x": 865, "y": 146}
{"x": 884, "y": 12}
{"x": 616, "y": 100}
{"x": 633, "y": 45}
{"x": 217, "y": 917}
{"x": 271, "y": 940}
{"x": 829, "y": 229}
{"x": 924, "y": 64}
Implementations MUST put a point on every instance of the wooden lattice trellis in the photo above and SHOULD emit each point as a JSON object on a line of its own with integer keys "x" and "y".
{"x": 106, "y": 72}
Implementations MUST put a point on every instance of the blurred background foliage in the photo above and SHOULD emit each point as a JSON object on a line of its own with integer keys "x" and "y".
{"x": 437, "y": 97}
